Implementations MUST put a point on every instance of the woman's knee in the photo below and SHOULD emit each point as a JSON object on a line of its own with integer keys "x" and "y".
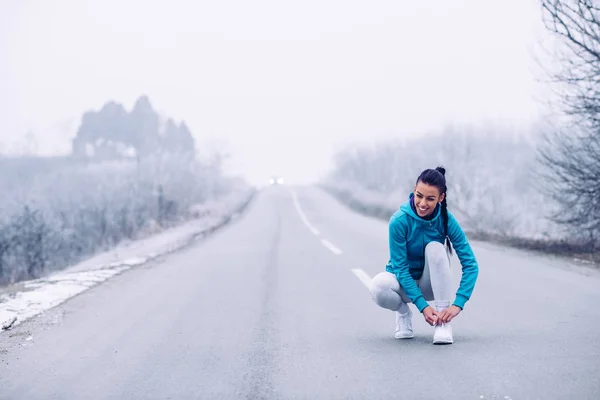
{"x": 437, "y": 255}
{"x": 383, "y": 282}
{"x": 383, "y": 286}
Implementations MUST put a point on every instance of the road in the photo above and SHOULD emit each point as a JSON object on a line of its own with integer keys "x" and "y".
{"x": 273, "y": 307}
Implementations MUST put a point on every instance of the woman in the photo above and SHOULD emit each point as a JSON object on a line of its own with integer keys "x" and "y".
{"x": 419, "y": 266}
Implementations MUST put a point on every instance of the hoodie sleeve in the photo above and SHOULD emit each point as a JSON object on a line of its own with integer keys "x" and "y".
{"x": 399, "y": 261}
{"x": 470, "y": 268}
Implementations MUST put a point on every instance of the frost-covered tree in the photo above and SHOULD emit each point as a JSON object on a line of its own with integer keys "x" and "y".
{"x": 489, "y": 177}
{"x": 61, "y": 210}
{"x": 571, "y": 152}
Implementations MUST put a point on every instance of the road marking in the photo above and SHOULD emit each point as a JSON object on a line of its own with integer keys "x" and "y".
{"x": 331, "y": 247}
{"x": 311, "y": 228}
{"x": 302, "y": 216}
{"x": 362, "y": 276}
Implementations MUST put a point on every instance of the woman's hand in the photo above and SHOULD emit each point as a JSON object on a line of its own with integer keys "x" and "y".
{"x": 449, "y": 313}
{"x": 431, "y": 316}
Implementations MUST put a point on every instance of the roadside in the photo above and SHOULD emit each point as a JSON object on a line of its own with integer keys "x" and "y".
{"x": 24, "y": 300}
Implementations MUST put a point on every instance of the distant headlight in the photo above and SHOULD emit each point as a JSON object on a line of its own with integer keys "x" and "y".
{"x": 280, "y": 181}
{"x": 272, "y": 181}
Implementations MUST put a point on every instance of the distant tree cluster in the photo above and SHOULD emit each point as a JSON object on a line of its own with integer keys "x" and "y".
{"x": 62, "y": 210}
{"x": 113, "y": 133}
{"x": 489, "y": 177}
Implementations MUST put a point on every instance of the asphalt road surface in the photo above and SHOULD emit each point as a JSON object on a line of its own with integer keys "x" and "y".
{"x": 274, "y": 306}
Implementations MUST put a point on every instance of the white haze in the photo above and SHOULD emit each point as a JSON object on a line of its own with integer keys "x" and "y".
{"x": 279, "y": 84}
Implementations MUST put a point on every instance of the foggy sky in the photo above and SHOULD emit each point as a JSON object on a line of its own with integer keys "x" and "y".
{"x": 281, "y": 83}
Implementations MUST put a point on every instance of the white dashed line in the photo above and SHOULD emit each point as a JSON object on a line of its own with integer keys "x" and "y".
{"x": 362, "y": 276}
{"x": 302, "y": 216}
{"x": 331, "y": 247}
{"x": 311, "y": 228}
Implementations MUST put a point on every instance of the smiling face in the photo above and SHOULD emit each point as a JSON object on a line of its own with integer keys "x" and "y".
{"x": 426, "y": 198}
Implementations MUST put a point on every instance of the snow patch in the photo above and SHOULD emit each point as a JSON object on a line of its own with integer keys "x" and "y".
{"x": 42, "y": 294}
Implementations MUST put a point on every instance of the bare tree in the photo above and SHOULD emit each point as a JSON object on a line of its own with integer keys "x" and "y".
{"x": 572, "y": 177}
{"x": 572, "y": 155}
{"x": 576, "y": 25}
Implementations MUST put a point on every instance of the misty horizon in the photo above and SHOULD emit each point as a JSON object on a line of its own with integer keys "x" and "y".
{"x": 280, "y": 87}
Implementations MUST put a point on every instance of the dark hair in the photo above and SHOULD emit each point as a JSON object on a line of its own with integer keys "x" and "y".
{"x": 437, "y": 177}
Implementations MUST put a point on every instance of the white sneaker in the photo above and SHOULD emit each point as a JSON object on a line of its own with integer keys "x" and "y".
{"x": 404, "y": 326}
{"x": 443, "y": 334}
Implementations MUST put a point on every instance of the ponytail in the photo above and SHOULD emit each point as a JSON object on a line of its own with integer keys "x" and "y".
{"x": 445, "y": 219}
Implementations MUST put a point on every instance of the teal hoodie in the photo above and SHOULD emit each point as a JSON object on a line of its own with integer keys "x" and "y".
{"x": 408, "y": 236}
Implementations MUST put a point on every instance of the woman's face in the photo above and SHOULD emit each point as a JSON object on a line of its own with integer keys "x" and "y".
{"x": 426, "y": 198}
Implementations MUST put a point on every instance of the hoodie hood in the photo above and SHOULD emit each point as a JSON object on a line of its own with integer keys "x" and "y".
{"x": 408, "y": 210}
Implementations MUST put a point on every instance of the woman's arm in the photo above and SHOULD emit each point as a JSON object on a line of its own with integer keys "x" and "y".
{"x": 470, "y": 268}
{"x": 399, "y": 261}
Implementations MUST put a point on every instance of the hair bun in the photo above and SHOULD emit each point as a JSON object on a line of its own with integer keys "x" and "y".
{"x": 442, "y": 170}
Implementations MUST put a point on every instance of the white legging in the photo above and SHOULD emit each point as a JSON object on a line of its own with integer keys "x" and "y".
{"x": 435, "y": 283}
